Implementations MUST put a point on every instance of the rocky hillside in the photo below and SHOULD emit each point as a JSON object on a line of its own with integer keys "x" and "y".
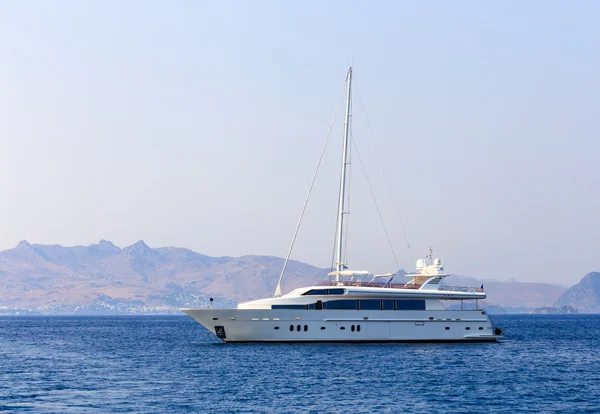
{"x": 584, "y": 296}
{"x": 135, "y": 279}
{"x": 103, "y": 278}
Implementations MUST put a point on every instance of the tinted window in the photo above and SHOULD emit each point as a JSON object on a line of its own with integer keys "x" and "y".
{"x": 335, "y": 291}
{"x": 410, "y": 305}
{"x": 373, "y": 304}
{"x": 387, "y": 304}
{"x": 340, "y": 304}
{"x": 288, "y": 306}
{"x": 311, "y": 306}
{"x": 316, "y": 292}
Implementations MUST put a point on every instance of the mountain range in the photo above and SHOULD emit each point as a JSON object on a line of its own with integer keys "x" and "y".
{"x": 136, "y": 279}
{"x": 584, "y": 296}
{"x": 103, "y": 278}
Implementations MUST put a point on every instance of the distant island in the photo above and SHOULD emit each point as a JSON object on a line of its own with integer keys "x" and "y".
{"x": 103, "y": 278}
{"x": 547, "y": 310}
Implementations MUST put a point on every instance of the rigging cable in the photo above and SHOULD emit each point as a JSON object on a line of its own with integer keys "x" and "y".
{"x": 387, "y": 180}
{"x": 287, "y": 258}
{"x": 375, "y": 201}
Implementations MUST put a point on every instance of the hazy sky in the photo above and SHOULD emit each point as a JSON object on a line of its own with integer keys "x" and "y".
{"x": 198, "y": 124}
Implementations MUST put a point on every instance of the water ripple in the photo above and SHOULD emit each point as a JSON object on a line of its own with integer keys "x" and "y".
{"x": 171, "y": 364}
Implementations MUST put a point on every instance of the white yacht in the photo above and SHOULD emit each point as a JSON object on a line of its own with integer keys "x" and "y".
{"x": 355, "y": 306}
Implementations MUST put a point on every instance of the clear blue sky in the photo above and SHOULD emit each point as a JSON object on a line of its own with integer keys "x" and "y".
{"x": 198, "y": 124}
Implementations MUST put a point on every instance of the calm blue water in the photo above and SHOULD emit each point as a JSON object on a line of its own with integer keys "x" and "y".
{"x": 172, "y": 364}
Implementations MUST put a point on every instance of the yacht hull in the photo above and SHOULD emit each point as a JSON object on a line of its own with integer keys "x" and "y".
{"x": 265, "y": 325}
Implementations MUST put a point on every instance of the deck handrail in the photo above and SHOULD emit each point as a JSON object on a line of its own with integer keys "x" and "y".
{"x": 396, "y": 286}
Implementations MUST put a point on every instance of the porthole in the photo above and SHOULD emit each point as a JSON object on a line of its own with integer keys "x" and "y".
{"x": 298, "y": 328}
{"x": 447, "y": 328}
{"x": 352, "y": 328}
{"x": 468, "y": 328}
{"x": 305, "y": 328}
{"x": 483, "y": 313}
{"x": 215, "y": 319}
{"x": 291, "y": 328}
{"x": 431, "y": 318}
{"x": 342, "y": 328}
{"x": 322, "y": 328}
{"x": 358, "y": 328}
{"x": 276, "y": 328}
{"x": 481, "y": 328}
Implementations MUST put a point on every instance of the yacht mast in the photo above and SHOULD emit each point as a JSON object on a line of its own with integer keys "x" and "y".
{"x": 340, "y": 229}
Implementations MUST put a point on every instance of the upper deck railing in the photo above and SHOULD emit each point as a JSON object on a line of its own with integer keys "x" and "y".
{"x": 461, "y": 289}
{"x": 388, "y": 285}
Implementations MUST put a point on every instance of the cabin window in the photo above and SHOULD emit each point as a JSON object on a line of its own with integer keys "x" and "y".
{"x": 352, "y": 328}
{"x": 343, "y": 328}
{"x": 324, "y": 292}
{"x": 322, "y": 328}
{"x": 447, "y": 328}
{"x": 468, "y": 328}
{"x": 410, "y": 305}
{"x": 315, "y": 292}
{"x": 341, "y": 304}
{"x": 481, "y": 328}
{"x": 288, "y": 306}
{"x": 305, "y": 328}
{"x": 311, "y": 306}
{"x": 370, "y": 304}
{"x": 358, "y": 328}
{"x": 319, "y": 305}
{"x": 291, "y": 328}
{"x": 298, "y": 328}
{"x": 276, "y": 328}
{"x": 387, "y": 304}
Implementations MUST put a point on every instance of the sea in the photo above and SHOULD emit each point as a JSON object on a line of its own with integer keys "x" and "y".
{"x": 171, "y": 364}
